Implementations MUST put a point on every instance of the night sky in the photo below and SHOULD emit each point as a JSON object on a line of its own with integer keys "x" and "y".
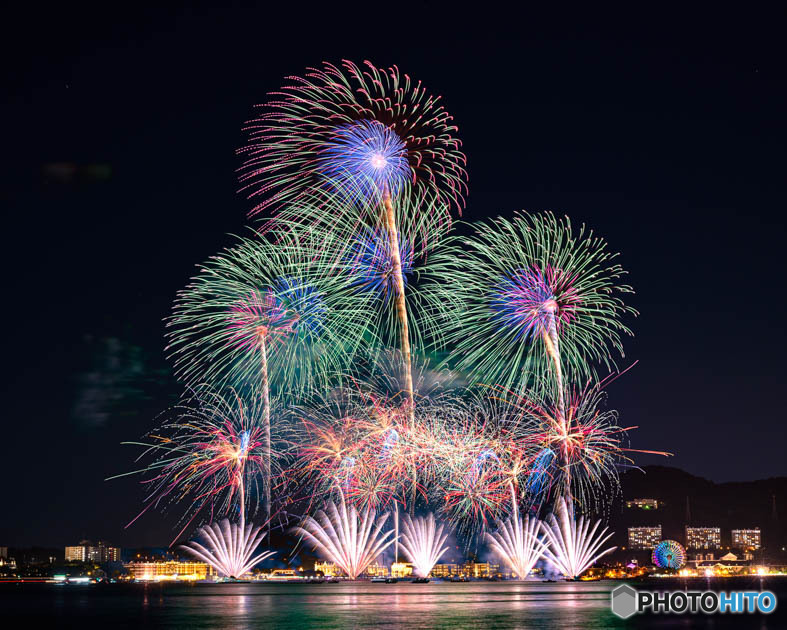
{"x": 665, "y": 133}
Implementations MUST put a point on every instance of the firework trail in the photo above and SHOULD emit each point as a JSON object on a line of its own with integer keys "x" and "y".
{"x": 387, "y": 260}
{"x": 350, "y": 541}
{"x": 370, "y": 135}
{"x": 538, "y": 296}
{"x": 572, "y": 547}
{"x": 423, "y": 542}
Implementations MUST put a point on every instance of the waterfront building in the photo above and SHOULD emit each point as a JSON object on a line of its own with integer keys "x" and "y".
{"x": 169, "y": 570}
{"x": 376, "y": 570}
{"x": 703, "y": 537}
{"x": 480, "y": 569}
{"x": 328, "y": 569}
{"x": 284, "y": 575}
{"x": 446, "y": 570}
{"x": 643, "y": 504}
{"x": 401, "y": 569}
{"x": 728, "y": 564}
{"x": 86, "y": 551}
{"x": 644, "y": 537}
{"x": 746, "y": 539}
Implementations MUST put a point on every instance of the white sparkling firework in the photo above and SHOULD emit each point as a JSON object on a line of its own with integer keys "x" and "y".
{"x": 229, "y": 547}
{"x": 348, "y": 540}
{"x": 572, "y": 546}
{"x": 516, "y": 541}
{"x": 423, "y": 541}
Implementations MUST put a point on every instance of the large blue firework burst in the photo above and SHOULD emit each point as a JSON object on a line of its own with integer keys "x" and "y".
{"x": 367, "y": 158}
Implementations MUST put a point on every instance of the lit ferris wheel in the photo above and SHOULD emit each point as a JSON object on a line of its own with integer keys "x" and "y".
{"x": 669, "y": 554}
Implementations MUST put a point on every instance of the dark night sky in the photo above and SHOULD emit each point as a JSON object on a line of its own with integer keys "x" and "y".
{"x": 666, "y": 134}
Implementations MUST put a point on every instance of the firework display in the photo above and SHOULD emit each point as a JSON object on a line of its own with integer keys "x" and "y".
{"x": 573, "y": 546}
{"x": 423, "y": 541}
{"x": 538, "y": 296}
{"x": 212, "y": 455}
{"x": 516, "y": 541}
{"x": 669, "y": 554}
{"x": 354, "y": 357}
{"x": 229, "y": 548}
{"x": 351, "y": 541}
{"x": 264, "y": 315}
{"x": 356, "y": 122}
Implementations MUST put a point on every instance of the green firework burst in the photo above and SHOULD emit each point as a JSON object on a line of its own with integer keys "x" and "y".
{"x": 535, "y": 293}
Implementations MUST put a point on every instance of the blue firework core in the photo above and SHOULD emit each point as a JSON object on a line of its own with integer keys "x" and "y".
{"x": 538, "y": 478}
{"x": 368, "y": 155}
{"x": 527, "y": 300}
{"x": 372, "y": 265}
{"x": 303, "y": 303}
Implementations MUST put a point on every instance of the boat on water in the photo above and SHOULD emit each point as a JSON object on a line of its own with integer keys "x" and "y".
{"x": 284, "y": 575}
{"x": 421, "y": 580}
{"x": 378, "y": 578}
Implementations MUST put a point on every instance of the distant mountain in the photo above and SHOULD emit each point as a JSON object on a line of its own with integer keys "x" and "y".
{"x": 688, "y": 500}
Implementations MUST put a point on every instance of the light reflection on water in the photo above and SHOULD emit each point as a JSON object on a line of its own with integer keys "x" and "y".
{"x": 488, "y": 605}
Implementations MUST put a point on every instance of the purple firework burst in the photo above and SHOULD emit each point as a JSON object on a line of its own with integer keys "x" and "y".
{"x": 529, "y": 299}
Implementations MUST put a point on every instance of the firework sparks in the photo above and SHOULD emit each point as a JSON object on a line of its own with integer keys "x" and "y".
{"x": 366, "y": 124}
{"x": 422, "y": 541}
{"x": 572, "y": 547}
{"x": 350, "y": 541}
{"x": 210, "y": 455}
{"x": 516, "y": 542}
{"x": 229, "y": 548}
{"x": 367, "y": 154}
{"x": 539, "y": 296}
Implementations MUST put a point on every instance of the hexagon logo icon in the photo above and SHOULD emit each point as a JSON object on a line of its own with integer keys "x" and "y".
{"x": 624, "y": 601}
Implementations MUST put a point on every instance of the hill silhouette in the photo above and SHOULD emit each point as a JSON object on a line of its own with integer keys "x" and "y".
{"x": 685, "y": 499}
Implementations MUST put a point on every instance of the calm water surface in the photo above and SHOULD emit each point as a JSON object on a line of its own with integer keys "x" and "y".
{"x": 487, "y": 605}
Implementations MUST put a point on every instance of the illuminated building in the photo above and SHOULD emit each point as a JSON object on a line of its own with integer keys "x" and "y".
{"x": 726, "y": 565}
{"x": 401, "y": 569}
{"x": 169, "y": 570}
{"x": 4, "y": 552}
{"x": 445, "y": 570}
{"x": 644, "y": 537}
{"x": 377, "y": 570}
{"x": 75, "y": 554}
{"x": 85, "y": 551}
{"x": 328, "y": 569}
{"x": 703, "y": 537}
{"x": 643, "y": 504}
{"x": 746, "y": 539}
{"x": 480, "y": 569}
